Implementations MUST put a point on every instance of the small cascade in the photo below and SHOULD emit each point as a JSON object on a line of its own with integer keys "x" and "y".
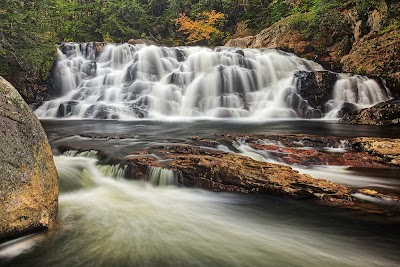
{"x": 77, "y": 169}
{"x": 116, "y": 170}
{"x": 158, "y": 176}
{"x": 86, "y": 154}
{"x": 75, "y": 173}
{"x": 353, "y": 93}
{"x": 138, "y": 81}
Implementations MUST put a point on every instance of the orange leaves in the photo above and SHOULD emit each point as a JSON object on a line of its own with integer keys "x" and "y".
{"x": 202, "y": 29}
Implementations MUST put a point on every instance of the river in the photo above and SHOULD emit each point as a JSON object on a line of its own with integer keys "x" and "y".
{"x": 110, "y": 221}
{"x": 112, "y": 100}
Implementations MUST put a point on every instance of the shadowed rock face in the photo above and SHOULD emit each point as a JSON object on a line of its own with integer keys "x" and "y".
{"x": 28, "y": 177}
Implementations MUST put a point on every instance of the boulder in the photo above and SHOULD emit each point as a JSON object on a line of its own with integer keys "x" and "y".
{"x": 28, "y": 177}
{"x": 347, "y": 109}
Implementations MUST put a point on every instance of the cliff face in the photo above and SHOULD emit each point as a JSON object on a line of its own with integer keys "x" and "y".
{"x": 343, "y": 40}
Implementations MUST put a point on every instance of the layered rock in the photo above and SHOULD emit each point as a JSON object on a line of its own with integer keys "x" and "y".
{"x": 28, "y": 177}
{"x": 309, "y": 150}
{"x": 141, "y": 41}
{"x": 220, "y": 171}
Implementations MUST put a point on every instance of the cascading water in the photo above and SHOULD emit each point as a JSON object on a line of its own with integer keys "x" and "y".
{"x": 162, "y": 177}
{"x": 136, "y": 81}
{"x": 358, "y": 90}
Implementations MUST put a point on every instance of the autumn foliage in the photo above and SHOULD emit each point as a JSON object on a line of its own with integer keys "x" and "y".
{"x": 201, "y": 30}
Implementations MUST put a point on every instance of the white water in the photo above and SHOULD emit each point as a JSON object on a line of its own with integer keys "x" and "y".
{"x": 129, "y": 223}
{"x": 361, "y": 91}
{"x": 128, "y": 82}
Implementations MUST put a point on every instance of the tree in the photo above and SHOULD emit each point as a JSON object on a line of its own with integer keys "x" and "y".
{"x": 27, "y": 36}
{"x": 203, "y": 30}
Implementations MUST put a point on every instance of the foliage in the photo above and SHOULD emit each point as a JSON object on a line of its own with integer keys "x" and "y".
{"x": 26, "y": 36}
{"x": 241, "y": 30}
{"x": 201, "y": 30}
{"x": 360, "y": 70}
{"x": 29, "y": 28}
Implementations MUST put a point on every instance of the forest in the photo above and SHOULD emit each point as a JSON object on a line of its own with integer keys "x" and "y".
{"x": 29, "y": 29}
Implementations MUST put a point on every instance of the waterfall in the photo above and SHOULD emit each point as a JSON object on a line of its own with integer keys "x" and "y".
{"x": 162, "y": 177}
{"x": 138, "y": 81}
{"x": 360, "y": 91}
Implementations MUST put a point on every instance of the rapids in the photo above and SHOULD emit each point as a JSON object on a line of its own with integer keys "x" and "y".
{"x": 137, "y": 81}
{"x": 106, "y": 220}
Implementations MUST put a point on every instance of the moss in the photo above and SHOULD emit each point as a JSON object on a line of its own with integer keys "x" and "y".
{"x": 360, "y": 70}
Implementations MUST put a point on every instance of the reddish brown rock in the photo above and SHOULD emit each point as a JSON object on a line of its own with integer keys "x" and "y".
{"x": 219, "y": 171}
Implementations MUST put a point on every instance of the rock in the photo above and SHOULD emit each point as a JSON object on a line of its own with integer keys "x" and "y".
{"x": 326, "y": 50}
{"x": 316, "y": 87}
{"x": 66, "y": 109}
{"x": 141, "y": 41}
{"x": 393, "y": 83}
{"x": 28, "y": 177}
{"x": 241, "y": 42}
{"x": 347, "y": 109}
{"x": 385, "y": 113}
{"x": 221, "y": 171}
{"x": 375, "y": 54}
{"x": 386, "y": 149}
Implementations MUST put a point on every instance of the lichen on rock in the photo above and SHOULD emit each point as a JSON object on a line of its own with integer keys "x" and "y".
{"x": 28, "y": 177}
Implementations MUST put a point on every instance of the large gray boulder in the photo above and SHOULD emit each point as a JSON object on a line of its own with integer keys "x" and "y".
{"x": 28, "y": 177}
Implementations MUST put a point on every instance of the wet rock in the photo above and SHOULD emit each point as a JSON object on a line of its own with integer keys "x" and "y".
{"x": 309, "y": 150}
{"x": 66, "y": 109}
{"x": 347, "y": 109}
{"x": 100, "y": 111}
{"x": 385, "y": 113}
{"x": 374, "y": 193}
{"x": 28, "y": 177}
{"x": 316, "y": 87}
{"x": 220, "y": 171}
{"x": 286, "y": 140}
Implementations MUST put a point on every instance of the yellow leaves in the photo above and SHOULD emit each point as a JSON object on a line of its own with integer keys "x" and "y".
{"x": 201, "y": 29}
